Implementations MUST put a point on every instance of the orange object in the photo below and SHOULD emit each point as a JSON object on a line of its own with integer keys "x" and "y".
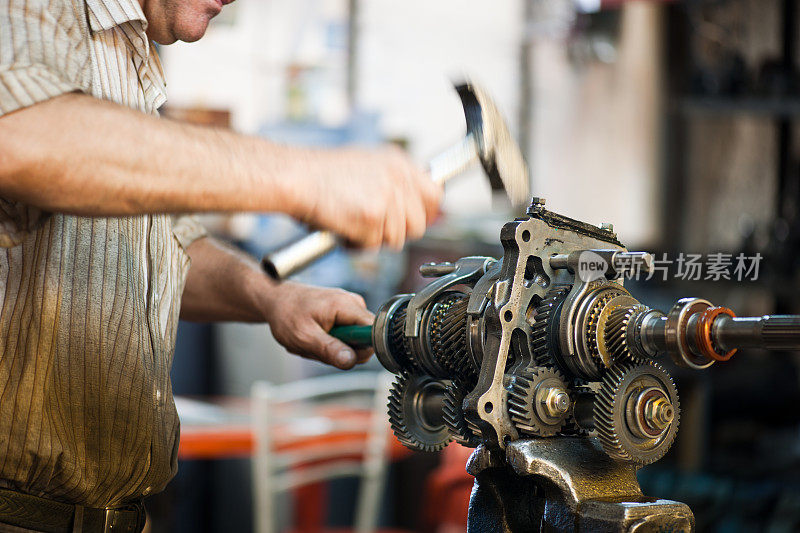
{"x": 237, "y": 440}
{"x": 704, "y": 340}
{"x": 447, "y": 492}
{"x": 230, "y": 441}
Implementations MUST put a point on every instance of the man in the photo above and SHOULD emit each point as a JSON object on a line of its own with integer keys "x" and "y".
{"x": 95, "y": 270}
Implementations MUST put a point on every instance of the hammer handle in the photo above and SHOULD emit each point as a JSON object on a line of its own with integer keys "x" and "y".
{"x": 297, "y": 255}
{"x": 354, "y": 336}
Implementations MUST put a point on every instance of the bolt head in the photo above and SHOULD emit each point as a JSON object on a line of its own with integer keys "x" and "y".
{"x": 659, "y": 413}
{"x": 537, "y": 204}
{"x": 557, "y": 402}
{"x": 562, "y": 402}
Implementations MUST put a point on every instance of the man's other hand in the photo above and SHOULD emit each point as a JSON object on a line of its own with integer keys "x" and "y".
{"x": 301, "y": 315}
{"x": 369, "y": 197}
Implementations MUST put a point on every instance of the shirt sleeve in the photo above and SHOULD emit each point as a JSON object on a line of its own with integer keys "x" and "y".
{"x": 44, "y": 52}
{"x": 187, "y": 229}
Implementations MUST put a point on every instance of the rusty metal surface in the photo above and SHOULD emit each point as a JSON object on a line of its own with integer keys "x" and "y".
{"x": 565, "y": 484}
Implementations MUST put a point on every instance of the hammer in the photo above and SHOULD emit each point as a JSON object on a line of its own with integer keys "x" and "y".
{"x": 487, "y": 140}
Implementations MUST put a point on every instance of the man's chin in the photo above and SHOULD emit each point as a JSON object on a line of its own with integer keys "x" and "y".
{"x": 190, "y": 30}
{"x": 191, "y": 37}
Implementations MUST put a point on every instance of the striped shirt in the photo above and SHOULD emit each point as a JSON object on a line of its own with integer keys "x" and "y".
{"x": 88, "y": 306}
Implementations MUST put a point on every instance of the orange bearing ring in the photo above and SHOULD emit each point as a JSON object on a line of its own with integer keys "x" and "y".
{"x": 704, "y": 341}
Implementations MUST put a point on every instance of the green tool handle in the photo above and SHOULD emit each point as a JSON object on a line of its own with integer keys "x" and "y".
{"x": 354, "y": 336}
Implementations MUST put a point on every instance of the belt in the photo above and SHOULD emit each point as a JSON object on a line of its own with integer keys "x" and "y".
{"x": 49, "y": 516}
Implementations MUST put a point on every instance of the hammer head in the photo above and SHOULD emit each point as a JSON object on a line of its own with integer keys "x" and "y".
{"x": 499, "y": 153}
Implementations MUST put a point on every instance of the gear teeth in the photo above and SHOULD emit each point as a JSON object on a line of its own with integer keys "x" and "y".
{"x": 521, "y": 397}
{"x": 397, "y": 338}
{"x": 449, "y": 335}
{"x": 395, "y": 408}
{"x": 463, "y": 432}
{"x": 473, "y": 427}
{"x": 603, "y": 412}
{"x": 591, "y": 324}
{"x": 616, "y": 333}
{"x": 539, "y": 344}
{"x": 610, "y": 423}
{"x": 401, "y": 428}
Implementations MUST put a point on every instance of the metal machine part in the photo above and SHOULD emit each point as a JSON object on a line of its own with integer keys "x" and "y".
{"x": 636, "y": 413}
{"x": 564, "y": 484}
{"x": 415, "y": 412}
{"x": 462, "y": 430}
{"x": 547, "y": 362}
{"x": 539, "y": 402}
{"x": 487, "y": 140}
{"x": 504, "y": 334}
{"x": 543, "y": 343}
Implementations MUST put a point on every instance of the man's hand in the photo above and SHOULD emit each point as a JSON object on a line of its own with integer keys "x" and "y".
{"x": 79, "y": 155}
{"x": 370, "y": 197}
{"x": 300, "y": 317}
{"x": 226, "y": 284}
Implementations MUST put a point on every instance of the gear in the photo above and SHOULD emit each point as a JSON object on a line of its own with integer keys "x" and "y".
{"x": 601, "y": 301}
{"x": 616, "y": 332}
{"x": 539, "y": 402}
{"x": 464, "y": 432}
{"x": 448, "y": 335}
{"x": 415, "y": 412}
{"x": 397, "y": 339}
{"x": 636, "y": 413}
{"x": 579, "y": 388}
{"x": 545, "y": 311}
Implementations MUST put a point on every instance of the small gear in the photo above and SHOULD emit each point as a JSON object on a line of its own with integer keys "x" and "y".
{"x": 463, "y": 432}
{"x": 616, "y": 332}
{"x": 542, "y": 350}
{"x": 397, "y": 339}
{"x": 448, "y": 335}
{"x": 579, "y": 388}
{"x": 414, "y": 412}
{"x": 539, "y": 402}
{"x": 593, "y": 320}
{"x": 636, "y": 413}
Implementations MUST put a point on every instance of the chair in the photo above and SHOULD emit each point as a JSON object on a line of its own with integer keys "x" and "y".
{"x": 306, "y": 432}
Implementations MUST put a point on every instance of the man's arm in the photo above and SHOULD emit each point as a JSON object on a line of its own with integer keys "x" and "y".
{"x": 225, "y": 284}
{"x": 80, "y": 155}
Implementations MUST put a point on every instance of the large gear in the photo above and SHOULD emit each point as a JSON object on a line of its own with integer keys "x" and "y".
{"x": 464, "y": 432}
{"x": 636, "y": 412}
{"x": 539, "y": 402}
{"x": 415, "y": 412}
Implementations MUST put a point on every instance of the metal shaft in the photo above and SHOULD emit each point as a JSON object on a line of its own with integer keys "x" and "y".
{"x": 771, "y": 332}
{"x": 294, "y": 257}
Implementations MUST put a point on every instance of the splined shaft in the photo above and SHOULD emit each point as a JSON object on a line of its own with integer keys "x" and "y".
{"x": 772, "y": 332}
{"x": 695, "y": 333}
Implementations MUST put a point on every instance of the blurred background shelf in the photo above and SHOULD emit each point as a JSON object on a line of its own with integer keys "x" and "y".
{"x": 766, "y": 107}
